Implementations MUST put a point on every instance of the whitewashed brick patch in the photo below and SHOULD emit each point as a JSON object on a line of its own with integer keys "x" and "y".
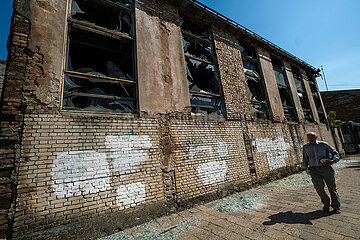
{"x": 276, "y": 150}
{"x": 222, "y": 149}
{"x": 130, "y": 195}
{"x": 128, "y": 151}
{"x": 78, "y": 173}
{"x": 212, "y": 172}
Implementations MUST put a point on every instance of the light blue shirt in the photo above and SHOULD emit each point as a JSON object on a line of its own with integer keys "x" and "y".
{"x": 313, "y": 153}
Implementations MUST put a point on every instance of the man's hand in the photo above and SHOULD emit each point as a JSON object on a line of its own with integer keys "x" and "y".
{"x": 327, "y": 162}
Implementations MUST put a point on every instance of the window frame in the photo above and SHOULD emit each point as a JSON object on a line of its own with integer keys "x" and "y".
{"x": 286, "y": 108}
{"x": 260, "y": 80}
{"x": 210, "y": 42}
{"x": 92, "y": 28}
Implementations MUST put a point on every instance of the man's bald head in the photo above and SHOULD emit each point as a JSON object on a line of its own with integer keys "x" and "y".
{"x": 311, "y": 136}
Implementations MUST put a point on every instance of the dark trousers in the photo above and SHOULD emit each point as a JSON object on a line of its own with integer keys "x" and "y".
{"x": 326, "y": 174}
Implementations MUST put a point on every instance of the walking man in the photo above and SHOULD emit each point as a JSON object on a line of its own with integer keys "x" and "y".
{"x": 318, "y": 157}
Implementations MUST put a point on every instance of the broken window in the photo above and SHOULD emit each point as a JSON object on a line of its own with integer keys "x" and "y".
{"x": 284, "y": 89}
{"x": 254, "y": 82}
{"x": 115, "y": 15}
{"x": 316, "y": 97}
{"x": 99, "y": 74}
{"x": 203, "y": 80}
{"x": 304, "y": 100}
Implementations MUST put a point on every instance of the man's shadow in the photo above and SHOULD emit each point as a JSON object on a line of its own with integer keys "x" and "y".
{"x": 296, "y": 218}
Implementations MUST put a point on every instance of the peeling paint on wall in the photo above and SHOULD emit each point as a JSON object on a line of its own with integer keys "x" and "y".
{"x": 78, "y": 173}
{"x": 276, "y": 150}
{"x": 212, "y": 172}
{"x": 131, "y": 195}
{"x": 128, "y": 151}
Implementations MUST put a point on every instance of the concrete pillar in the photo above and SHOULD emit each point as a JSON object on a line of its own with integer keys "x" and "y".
{"x": 295, "y": 97}
{"x": 310, "y": 96}
{"x": 271, "y": 86}
{"x": 162, "y": 80}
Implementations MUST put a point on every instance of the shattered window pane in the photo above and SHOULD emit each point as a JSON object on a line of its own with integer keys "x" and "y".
{"x": 303, "y": 100}
{"x": 285, "y": 96}
{"x": 280, "y": 77}
{"x": 103, "y": 16}
{"x": 195, "y": 29}
{"x": 202, "y": 76}
{"x": 318, "y": 103}
{"x": 260, "y": 110}
{"x": 206, "y": 106}
{"x": 289, "y": 113}
{"x": 197, "y": 49}
{"x": 299, "y": 85}
{"x": 201, "y": 69}
{"x": 254, "y": 82}
{"x": 255, "y": 90}
{"x": 308, "y": 116}
{"x": 277, "y": 64}
{"x": 98, "y": 94}
{"x": 247, "y": 52}
{"x": 98, "y": 55}
{"x": 99, "y": 74}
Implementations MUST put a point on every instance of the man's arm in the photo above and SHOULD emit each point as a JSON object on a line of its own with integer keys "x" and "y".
{"x": 334, "y": 154}
{"x": 305, "y": 162}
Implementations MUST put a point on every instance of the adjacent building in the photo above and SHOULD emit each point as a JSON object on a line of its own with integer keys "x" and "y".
{"x": 117, "y": 111}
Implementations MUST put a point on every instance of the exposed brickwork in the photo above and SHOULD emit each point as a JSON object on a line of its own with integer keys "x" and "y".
{"x": 232, "y": 77}
{"x": 2, "y": 74}
{"x": 12, "y": 109}
{"x": 62, "y": 169}
{"x": 74, "y": 167}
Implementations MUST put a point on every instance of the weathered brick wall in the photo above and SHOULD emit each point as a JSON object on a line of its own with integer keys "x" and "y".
{"x": 207, "y": 154}
{"x": 12, "y": 106}
{"x": 2, "y": 74}
{"x": 59, "y": 170}
{"x": 234, "y": 86}
{"x": 79, "y": 167}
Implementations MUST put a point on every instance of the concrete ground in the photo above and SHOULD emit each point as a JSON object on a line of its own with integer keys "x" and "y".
{"x": 285, "y": 209}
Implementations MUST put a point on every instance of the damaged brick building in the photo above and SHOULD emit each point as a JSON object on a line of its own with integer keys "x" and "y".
{"x": 118, "y": 111}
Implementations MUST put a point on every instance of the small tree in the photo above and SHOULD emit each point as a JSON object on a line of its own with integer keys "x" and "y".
{"x": 332, "y": 119}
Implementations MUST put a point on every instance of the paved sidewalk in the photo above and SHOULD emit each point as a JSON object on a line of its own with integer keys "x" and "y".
{"x": 285, "y": 209}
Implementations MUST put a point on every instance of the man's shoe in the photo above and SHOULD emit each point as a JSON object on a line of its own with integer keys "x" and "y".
{"x": 326, "y": 208}
{"x": 336, "y": 211}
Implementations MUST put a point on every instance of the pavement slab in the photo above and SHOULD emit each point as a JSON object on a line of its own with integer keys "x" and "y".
{"x": 284, "y": 209}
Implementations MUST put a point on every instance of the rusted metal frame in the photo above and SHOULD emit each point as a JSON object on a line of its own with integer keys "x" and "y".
{"x": 98, "y": 96}
{"x": 199, "y": 59}
{"x": 248, "y": 31}
{"x": 196, "y": 38}
{"x": 200, "y": 94}
{"x": 86, "y": 76}
{"x": 99, "y": 30}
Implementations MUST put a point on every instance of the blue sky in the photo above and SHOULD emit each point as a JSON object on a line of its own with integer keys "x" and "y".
{"x": 320, "y": 32}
